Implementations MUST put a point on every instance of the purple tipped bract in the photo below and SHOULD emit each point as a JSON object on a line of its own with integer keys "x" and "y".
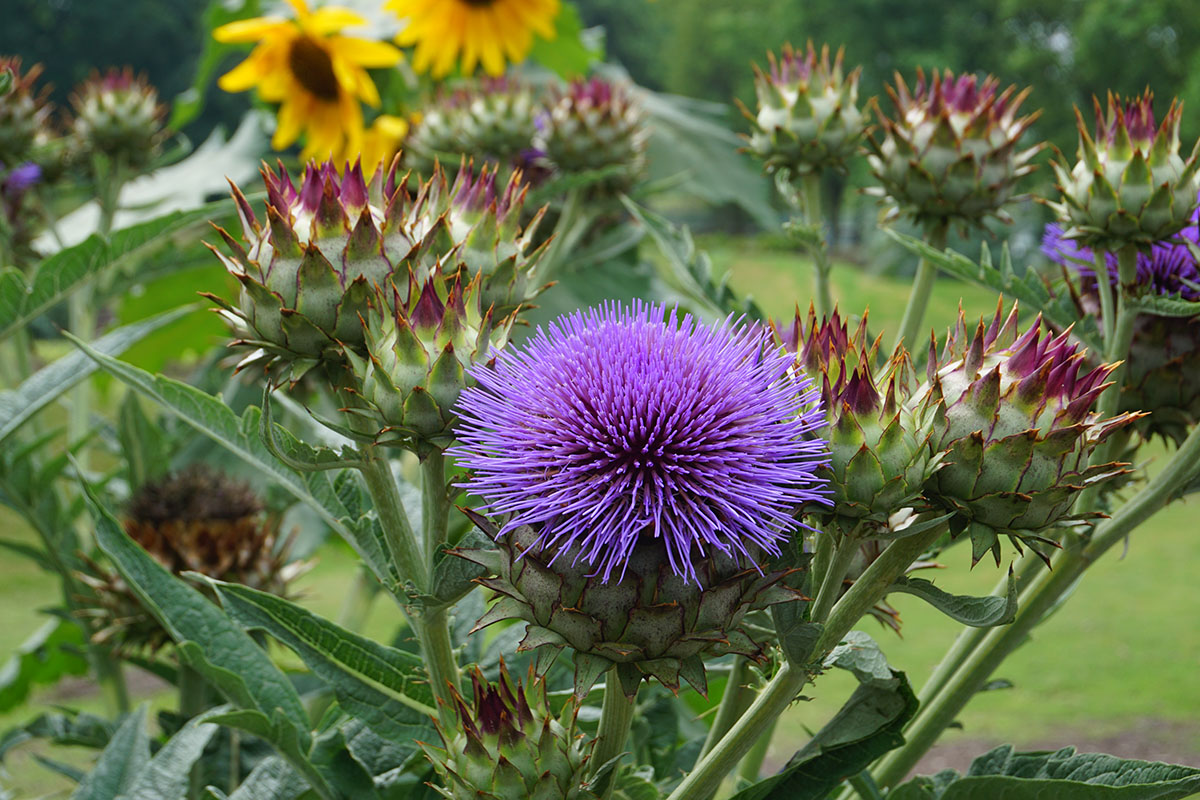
{"x": 618, "y": 424}
{"x": 1169, "y": 268}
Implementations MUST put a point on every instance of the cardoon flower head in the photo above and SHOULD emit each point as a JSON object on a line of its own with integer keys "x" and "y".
{"x": 595, "y": 126}
{"x": 641, "y": 465}
{"x": 614, "y": 426}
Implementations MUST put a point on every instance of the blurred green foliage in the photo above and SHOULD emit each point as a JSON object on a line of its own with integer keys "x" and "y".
{"x": 1067, "y": 50}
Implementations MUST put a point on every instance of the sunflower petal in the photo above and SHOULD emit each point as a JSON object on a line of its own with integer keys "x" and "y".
{"x": 248, "y": 30}
{"x": 331, "y": 19}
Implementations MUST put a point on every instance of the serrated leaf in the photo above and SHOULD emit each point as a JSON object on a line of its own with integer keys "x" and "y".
{"x": 866, "y": 727}
{"x": 272, "y": 779}
{"x": 22, "y": 300}
{"x": 18, "y": 406}
{"x": 76, "y": 729}
{"x": 797, "y": 636}
{"x": 977, "y": 612}
{"x": 1003, "y": 774}
{"x": 167, "y": 775}
{"x": 385, "y": 687}
{"x": 208, "y": 639}
{"x": 1029, "y": 288}
{"x": 127, "y": 753}
{"x": 859, "y": 654}
{"x": 567, "y": 54}
{"x": 1163, "y": 306}
{"x": 454, "y": 576}
{"x": 210, "y": 416}
{"x": 54, "y": 651}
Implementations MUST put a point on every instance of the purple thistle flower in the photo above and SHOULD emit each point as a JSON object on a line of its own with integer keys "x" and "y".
{"x": 1168, "y": 269}
{"x": 613, "y": 425}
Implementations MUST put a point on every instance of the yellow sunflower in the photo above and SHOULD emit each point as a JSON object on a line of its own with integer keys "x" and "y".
{"x": 488, "y": 32}
{"x": 381, "y": 142}
{"x": 316, "y": 75}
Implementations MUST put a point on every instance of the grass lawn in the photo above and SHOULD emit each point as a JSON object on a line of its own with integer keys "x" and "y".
{"x": 1125, "y": 648}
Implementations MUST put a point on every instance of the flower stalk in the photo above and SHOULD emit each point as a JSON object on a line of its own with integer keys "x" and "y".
{"x": 706, "y": 778}
{"x": 1041, "y": 595}
{"x": 922, "y": 288}
{"x": 616, "y": 718}
{"x": 820, "y": 245}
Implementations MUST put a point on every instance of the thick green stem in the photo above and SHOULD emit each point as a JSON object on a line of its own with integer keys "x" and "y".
{"x": 435, "y": 503}
{"x": 704, "y": 780}
{"x": 751, "y": 767}
{"x": 970, "y": 638}
{"x": 1104, "y": 289}
{"x": 833, "y": 578}
{"x": 430, "y": 626}
{"x": 110, "y": 677}
{"x": 734, "y": 702}
{"x": 1043, "y": 593}
{"x": 922, "y": 289}
{"x": 616, "y": 718}
{"x": 822, "y": 294}
{"x": 433, "y": 634}
{"x": 401, "y": 541}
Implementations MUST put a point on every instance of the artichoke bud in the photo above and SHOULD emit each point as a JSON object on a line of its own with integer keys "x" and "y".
{"x": 194, "y": 520}
{"x": 506, "y": 748}
{"x": 1013, "y": 416}
{"x": 24, "y": 113}
{"x": 595, "y": 127}
{"x": 650, "y": 623}
{"x": 878, "y": 444}
{"x": 1130, "y": 185}
{"x": 418, "y": 345}
{"x": 321, "y": 262}
{"x": 950, "y": 152}
{"x": 118, "y": 115}
{"x": 808, "y": 118}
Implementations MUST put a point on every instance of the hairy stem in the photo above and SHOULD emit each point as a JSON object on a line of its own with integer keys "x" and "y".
{"x": 1043, "y": 593}
{"x": 616, "y": 718}
{"x": 922, "y": 288}
{"x": 435, "y": 504}
{"x": 397, "y": 531}
{"x": 833, "y": 578}
{"x": 734, "y": 702}
{"x": 751, "y": 767}
{"x": 433, "y": 634}
{"x": 705, "y": 779}
{"x": 1104, "y": 289}
{"x": 820, "y": 250}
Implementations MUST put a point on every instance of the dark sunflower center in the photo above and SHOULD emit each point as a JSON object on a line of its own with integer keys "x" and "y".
{"x": 311, "y": 65}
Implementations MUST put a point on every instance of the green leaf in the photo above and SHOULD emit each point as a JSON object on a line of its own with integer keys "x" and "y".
{"x": 977, "y": 612}
{"x": 126, "y": 755}
{"x": 39, "y": 390}
{"x": 567, "y": 54}
{"x": 210, "y": 416}
{"x": 1003, "y": 774}
{"x": 688, "y": 272}
{"x": 272, "y": 779}
{"x": 144, "y": 445}
{"x": 50, "y": 654}
{"x": 453, "y": 576}
{"x": 387, "y": 688}
{"x": 1030, "y": 288}
{"x": 797, "y": 636}
{"x": 860, "y": 654}
{"x": 281, "y": 733}
{"x": 208, "y": 640}
{"x": 76, "y": 729}
{"x": 68, "y": 269}
{"x": 167, "y": 775}
{"x": 297, "y": 455}
{"x": 1163, "y": 306}
{"x": 866, "y": 727}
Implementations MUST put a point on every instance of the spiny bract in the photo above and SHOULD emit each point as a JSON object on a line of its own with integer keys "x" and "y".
{"x": 118, "y": 116}
{"x": 507, "y": 748}
{"x": 335, "y": 247}
{"x": 1129, "y": 186}
{"x": 808, "y": 118}
{"x": 950, "y": 152}
{"x": 1013, "y": 415}
{"x": 595, "y": 128}
{"x": 878, "y": 445}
